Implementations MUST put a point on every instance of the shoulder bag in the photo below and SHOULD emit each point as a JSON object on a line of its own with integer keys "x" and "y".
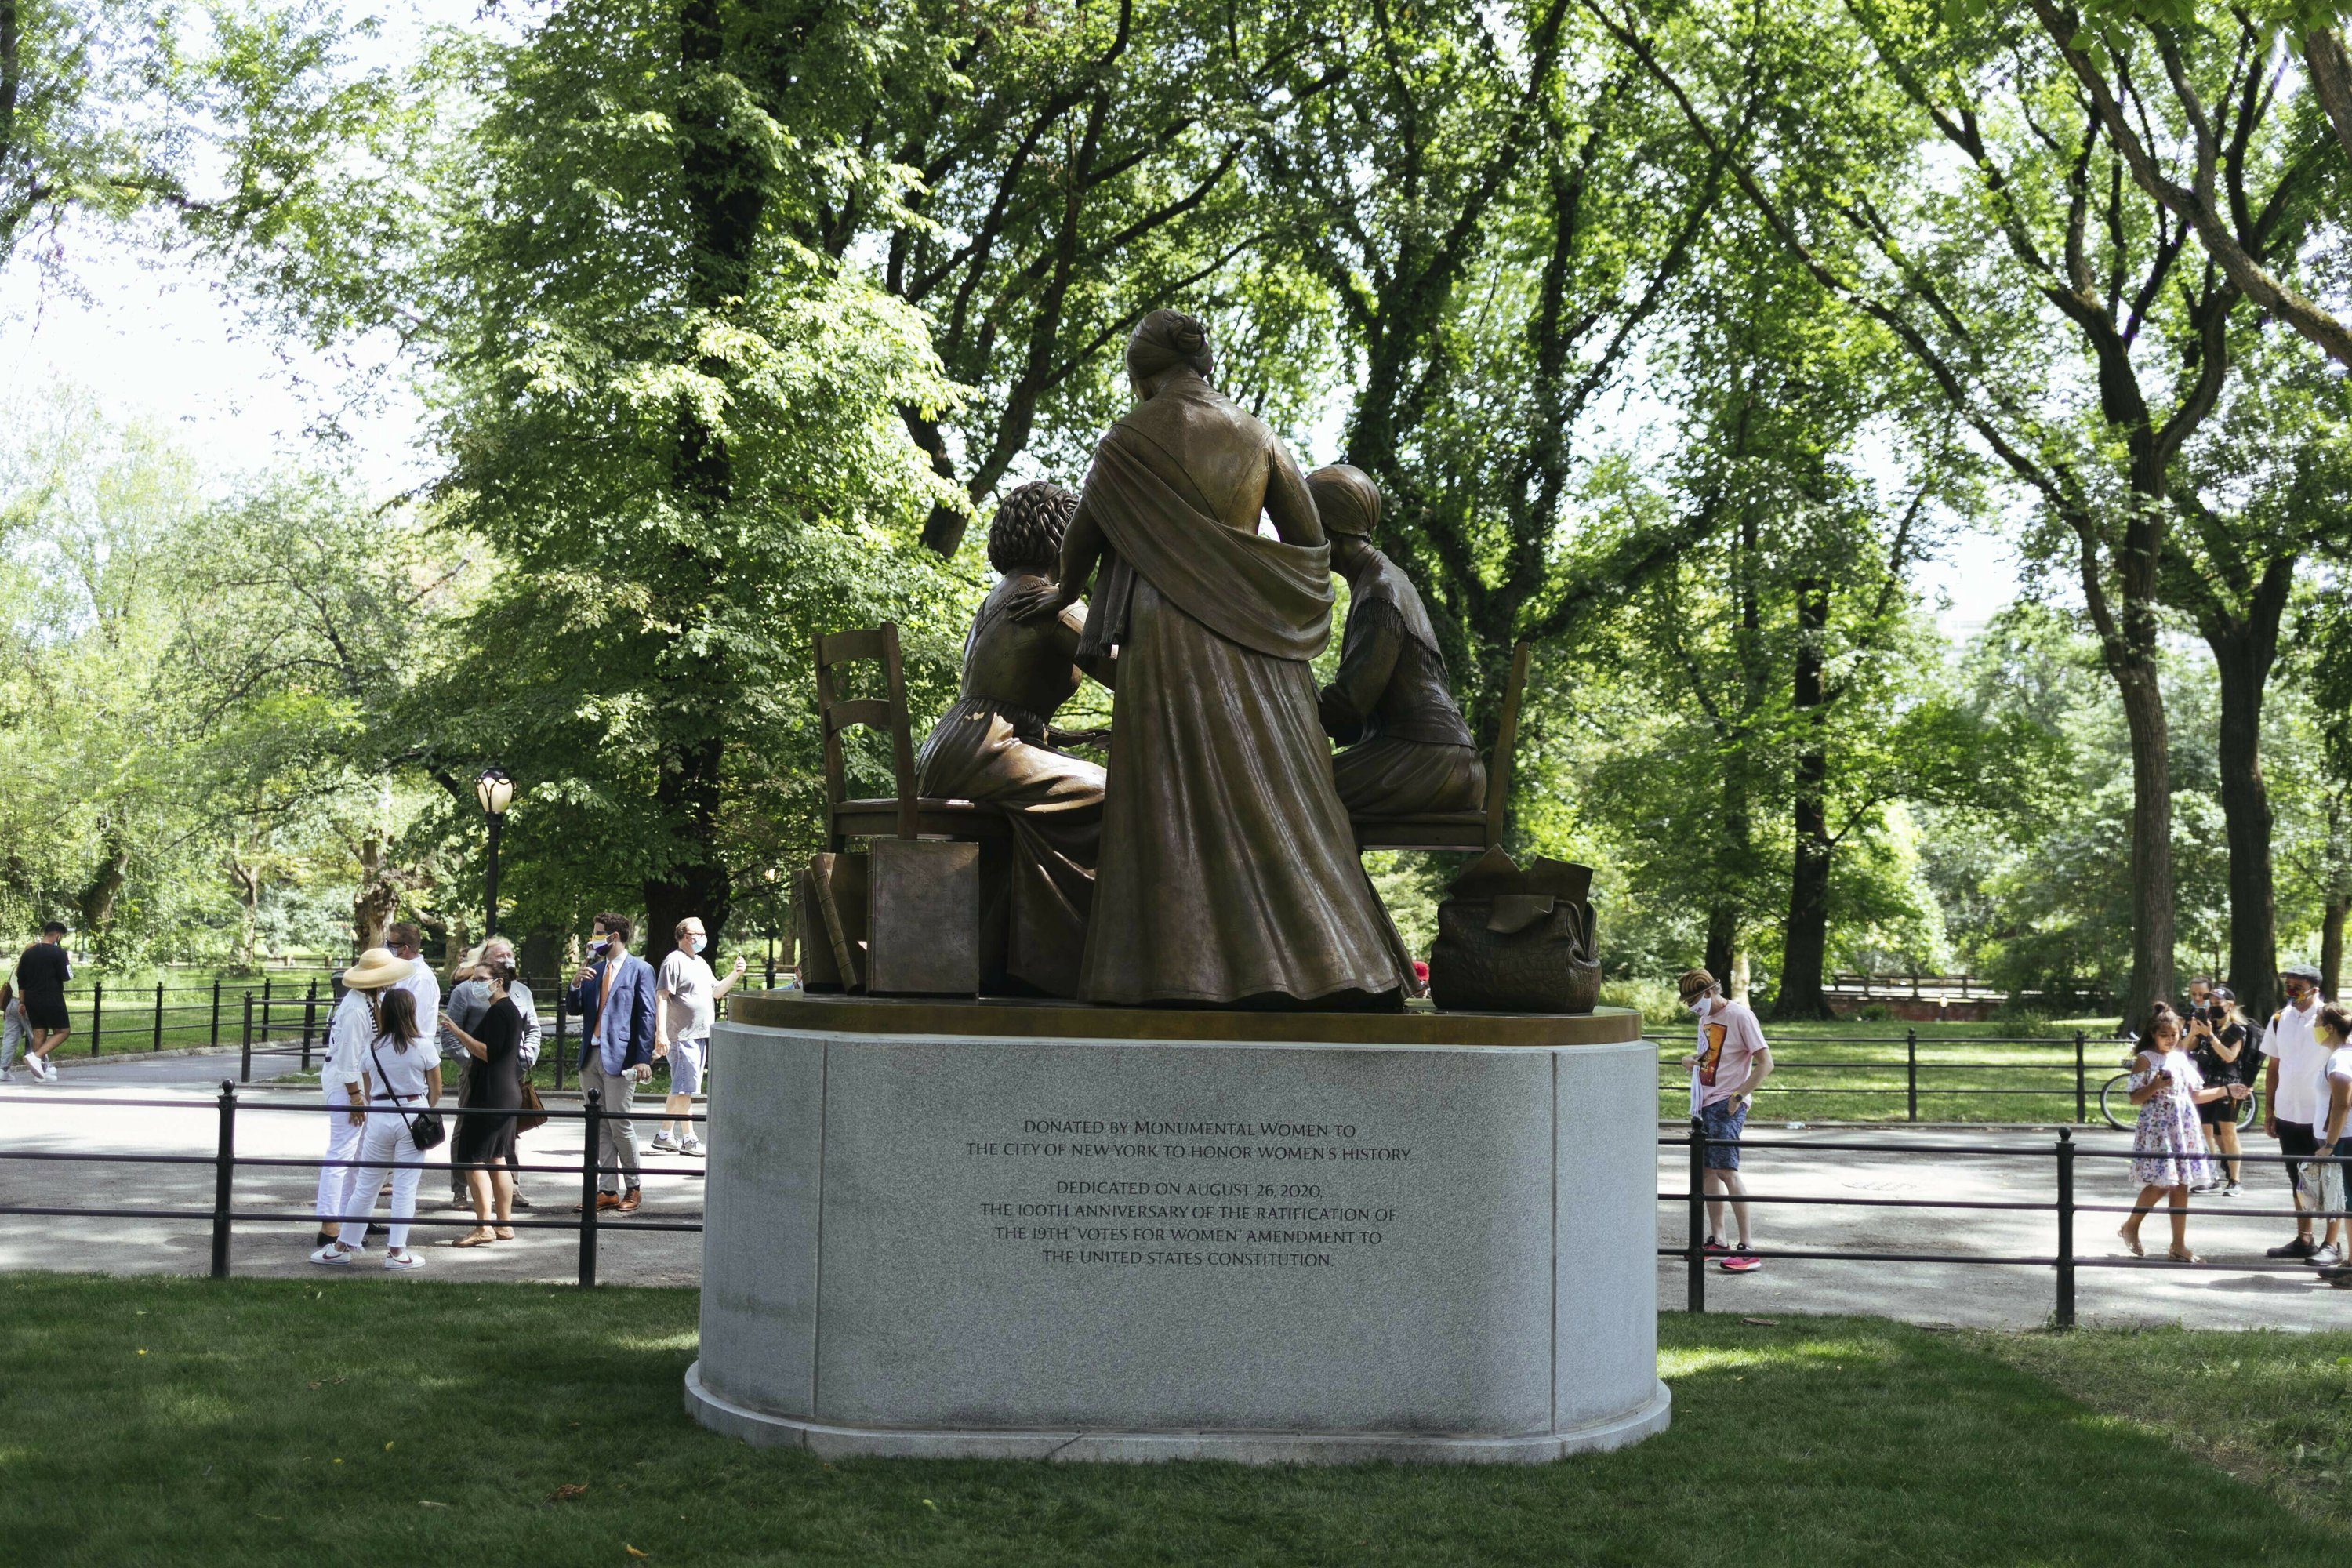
{"x": 425, "y": 1128}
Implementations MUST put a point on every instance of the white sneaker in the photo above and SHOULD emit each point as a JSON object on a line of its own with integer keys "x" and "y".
{"x": 42, "y": 1068}
{"x": 692, "y": 1146}
{"x": 664, "y": 1144}
{"x": 398, "y": 1262}
{"x": 334, "y": 1255}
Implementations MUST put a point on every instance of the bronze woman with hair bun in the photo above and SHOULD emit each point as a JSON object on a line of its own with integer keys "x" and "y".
{"x": 1229, "y": 872}
{"x": 992, "y": 744}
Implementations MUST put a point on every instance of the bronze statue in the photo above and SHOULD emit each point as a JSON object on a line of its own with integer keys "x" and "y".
{"x": 994, "y": 744}
{"x": 1408, "y": 751}
{"x": 1228, "y": 870}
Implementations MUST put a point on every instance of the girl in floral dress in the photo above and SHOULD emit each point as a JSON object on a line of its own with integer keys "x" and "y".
{"x": 2169, "y": 1148}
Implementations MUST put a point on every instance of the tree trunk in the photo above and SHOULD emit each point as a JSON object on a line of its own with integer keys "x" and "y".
{"x": 726, "y": 196}
{"x": 98, "y": 896}
{"x": 378, "y": 896}
{"x": 1722, "y": 939}
{"x": 2331, "y": 948}
{"x": 2243, "y": 654}
{"x": 2135, "y": 671}
{"x": 1804, "y": 950}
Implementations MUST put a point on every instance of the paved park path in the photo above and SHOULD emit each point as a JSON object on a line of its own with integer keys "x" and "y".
{"x": 1889, "y": 1163}
{"x": 188, "y": 1123}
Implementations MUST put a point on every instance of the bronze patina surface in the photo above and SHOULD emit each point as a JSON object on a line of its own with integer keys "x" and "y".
{"x": 1047, "y": 1020}
{"x": 994, "y": 744}
{"x": 1408, "y": 751}
{"x": 1228, "y": 867}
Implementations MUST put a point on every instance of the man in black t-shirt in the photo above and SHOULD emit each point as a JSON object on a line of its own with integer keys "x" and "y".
{"x": 42, "y": 970}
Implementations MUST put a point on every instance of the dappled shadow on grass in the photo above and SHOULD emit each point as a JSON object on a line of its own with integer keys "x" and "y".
{"x": 456, "y": 1411}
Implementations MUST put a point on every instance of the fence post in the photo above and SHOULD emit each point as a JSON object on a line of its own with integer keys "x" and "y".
{"x": 559, "y": 1034}
{"x": 224, "y": 1176}
{"x": 310, "y": 1022}
{"x": 97, "y": 1013}
{"x": 244, "y": 1073}
{"x": 1911, "y": 1071}
{"x": 216, "y": 1010}
{"x": 159, "y": 1015}
{"x": 2065, "y": 1227}
{"x": 2082, "y": 1107}
{"x": 1694, "y": 1254}
{"x": 591, "y": 1107}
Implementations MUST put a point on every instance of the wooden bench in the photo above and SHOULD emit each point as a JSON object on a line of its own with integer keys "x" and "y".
{"x": 1472, "y": 832}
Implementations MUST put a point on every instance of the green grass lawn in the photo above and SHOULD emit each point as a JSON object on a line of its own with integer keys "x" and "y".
{"x": 1856, "y": 1072}
{"x": 394, "y": 1421}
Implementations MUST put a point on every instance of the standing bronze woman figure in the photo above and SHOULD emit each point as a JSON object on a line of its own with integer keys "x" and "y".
{"x": 1228, "y": 870}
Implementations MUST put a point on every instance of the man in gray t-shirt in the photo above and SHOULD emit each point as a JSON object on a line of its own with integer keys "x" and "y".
{"x": 686, "y": 1003}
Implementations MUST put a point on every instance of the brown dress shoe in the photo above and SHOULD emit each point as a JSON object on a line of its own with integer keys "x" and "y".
{"x": 629, "y": 1204}
{"x": 604, "y": 1201}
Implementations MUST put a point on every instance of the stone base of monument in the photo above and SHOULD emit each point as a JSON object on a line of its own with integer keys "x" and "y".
{"x": 1034, "y": 1230}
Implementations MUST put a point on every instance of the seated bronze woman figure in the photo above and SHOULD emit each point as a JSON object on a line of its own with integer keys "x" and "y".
{"x": 994, "y": 744}
{"x": 1408, "y": 751}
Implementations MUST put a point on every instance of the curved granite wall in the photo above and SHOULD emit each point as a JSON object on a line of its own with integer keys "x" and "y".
{"x": 976, "y": 1240}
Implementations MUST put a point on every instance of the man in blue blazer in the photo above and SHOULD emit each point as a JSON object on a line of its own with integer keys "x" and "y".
{"x": 615, "y": 995}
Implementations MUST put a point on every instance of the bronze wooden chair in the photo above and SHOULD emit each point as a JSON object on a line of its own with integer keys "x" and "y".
{"x": 904, "y": 815}
{"x": 1469, "y": 831}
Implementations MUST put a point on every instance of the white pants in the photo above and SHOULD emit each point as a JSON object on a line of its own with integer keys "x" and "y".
{"x": 335, "y": 1174}
{"x": 384, "y": 1148}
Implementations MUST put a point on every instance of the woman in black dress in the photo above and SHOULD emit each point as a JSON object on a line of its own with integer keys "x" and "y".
{"x": 495, "y": 1084}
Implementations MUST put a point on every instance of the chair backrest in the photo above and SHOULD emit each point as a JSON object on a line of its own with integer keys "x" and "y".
{"x": 1506, "y": 741}
{"x": 888, "y": 713}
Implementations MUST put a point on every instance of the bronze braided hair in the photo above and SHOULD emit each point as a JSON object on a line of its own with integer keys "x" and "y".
{"x": 1026, "y": 532}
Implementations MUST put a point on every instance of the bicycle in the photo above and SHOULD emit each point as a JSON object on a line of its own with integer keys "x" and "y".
{"x": 2115, "y": 1095}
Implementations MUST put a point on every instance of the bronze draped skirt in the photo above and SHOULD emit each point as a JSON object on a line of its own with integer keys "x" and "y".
{"x": 1391, "y": 776}
{"x": 1054, "y": 802}
{"x": 1228, "y": 869}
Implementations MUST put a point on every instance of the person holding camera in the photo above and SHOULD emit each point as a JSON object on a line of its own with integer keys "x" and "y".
{"x": 2218, "y": 1037}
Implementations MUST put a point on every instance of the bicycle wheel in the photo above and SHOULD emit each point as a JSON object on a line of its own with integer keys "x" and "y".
{"x": 2116, "y": 1096}
{"x": 2250, "y": 1109}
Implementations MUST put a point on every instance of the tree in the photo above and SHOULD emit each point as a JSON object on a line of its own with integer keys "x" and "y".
{"x": 1064, "y": 174}
{"x": 1496, "y": 207}
{"x": 677, "y": 430}
{"x": 2024, "y": 295}
{"x": 218, "y": 117}
{"x": 2137, "y": 48}
{"x": 2257, "y": 495}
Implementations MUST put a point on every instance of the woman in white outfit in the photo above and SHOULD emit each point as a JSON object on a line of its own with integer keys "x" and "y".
{"x": 343, "y": 1084}
{"x": 403, "y": 1077}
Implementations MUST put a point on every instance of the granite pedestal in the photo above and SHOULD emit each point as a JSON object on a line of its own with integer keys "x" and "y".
{"x": 981, "y": 1229}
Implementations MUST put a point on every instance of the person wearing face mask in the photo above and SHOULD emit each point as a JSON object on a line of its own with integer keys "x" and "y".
{"x": 686, "y": 1003}
{"x": 1731, "y": 1060}
{"x": 2295, "y": 1069}
{"x": 614, "y": 997}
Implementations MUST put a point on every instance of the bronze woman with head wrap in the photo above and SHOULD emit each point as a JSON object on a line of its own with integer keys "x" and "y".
{"x": 1409, "y": 752}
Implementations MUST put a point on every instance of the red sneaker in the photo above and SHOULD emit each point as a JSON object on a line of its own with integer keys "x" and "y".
{"x": 1712, "y": 1245}
{"x": 1741, "y": 1262}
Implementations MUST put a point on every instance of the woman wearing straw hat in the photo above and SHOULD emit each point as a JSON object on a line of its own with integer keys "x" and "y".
{"x": 343, "y": 1082}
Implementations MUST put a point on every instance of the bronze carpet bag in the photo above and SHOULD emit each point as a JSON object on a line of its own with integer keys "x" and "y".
{"x": 1515, "y": 942}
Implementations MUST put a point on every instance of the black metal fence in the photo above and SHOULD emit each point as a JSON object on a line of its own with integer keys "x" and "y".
{"x": 224, "y": 1215}
{"x": 2079, "y": 1080}
{"x": 2063, "y": 1262}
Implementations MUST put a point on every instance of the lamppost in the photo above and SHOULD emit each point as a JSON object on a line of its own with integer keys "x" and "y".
{"x": 495, "y": 792}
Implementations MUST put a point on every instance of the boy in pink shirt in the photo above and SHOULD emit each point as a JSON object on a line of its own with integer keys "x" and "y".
{"x": 1731, "y": 1060}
